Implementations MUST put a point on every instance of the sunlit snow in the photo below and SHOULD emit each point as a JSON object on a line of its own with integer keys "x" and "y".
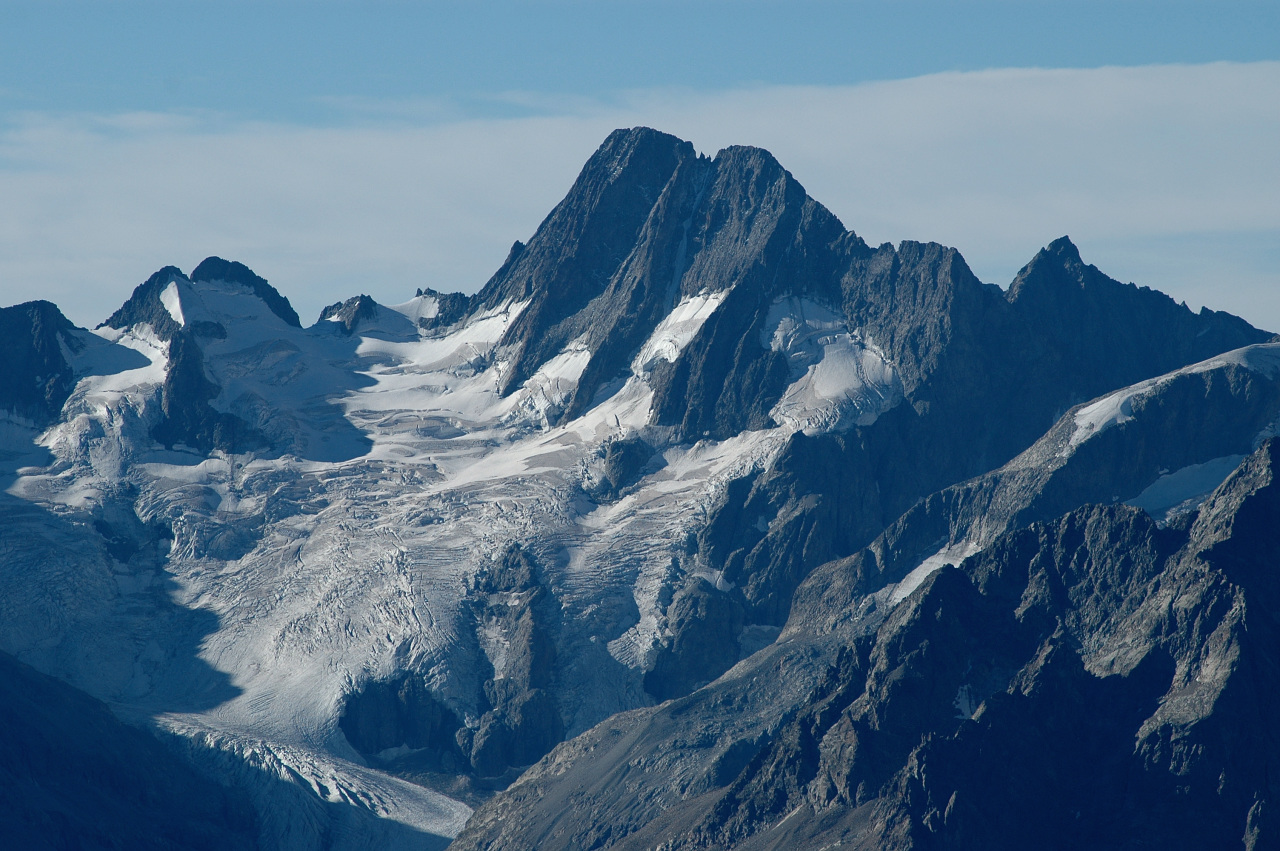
{"x": 1117, "y": 408}
{"x": 678, "y": 329}
{"x": 169, "y": 298}
{"x": 343, "y": 555}
{"x": 840, "y": 380}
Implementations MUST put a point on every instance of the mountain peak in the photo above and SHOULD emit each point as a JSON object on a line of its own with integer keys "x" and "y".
{"x": 1063, "y": 247}
{"x": 145, "y": 305}
{"x": 349, "y": 313}
{"x": 1055, "y": 267}
{"x": 217, "y": 269}
{"x": 36, "y": 379}
{"x": 628, "y": 141}
{"x": 147, "y": 302}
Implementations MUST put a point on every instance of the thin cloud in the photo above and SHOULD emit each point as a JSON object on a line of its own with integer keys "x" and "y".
{"x": 1165, "y": 175}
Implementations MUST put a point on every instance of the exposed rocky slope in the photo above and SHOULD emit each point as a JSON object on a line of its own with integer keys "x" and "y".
{"x": 1095, "y": 680}
{"x": 432, "y": 540}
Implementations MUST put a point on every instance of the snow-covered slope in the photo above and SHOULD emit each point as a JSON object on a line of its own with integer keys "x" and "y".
{"x": 249, "y": 594}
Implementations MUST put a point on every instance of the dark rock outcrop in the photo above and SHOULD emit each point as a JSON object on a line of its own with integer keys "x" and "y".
{"x": 521, "y": 719}
{"x": 704, "y": 625}
{"x": 450, "y": 307}
{"x": 621, "y": 463}
{"x": 402, "y": 713}
{"x": 819, "y": 500}
{"x": 188, "y": 417}
{"x": 36, "y": 379}
{"x": 400, "y": 724}
{"x": 348, "y": 314}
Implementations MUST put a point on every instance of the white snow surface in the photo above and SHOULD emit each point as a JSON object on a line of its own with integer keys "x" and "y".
{"x": 1117, "y": 408}
{"x": 284, "y": 580}
{"x": 839, "y": 380}
{"x": 678, "y": 329}
{"x": 1184, "y": 490}
{"x": 418, "y": 307}
{"x": 950, "y": 554}
{"x": 172, "y": 303}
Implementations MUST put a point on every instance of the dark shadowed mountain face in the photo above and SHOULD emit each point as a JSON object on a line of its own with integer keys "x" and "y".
{"x": 36, "y": 378}
{"x": 76, "y": 777}
{"x": 702, "y": 524}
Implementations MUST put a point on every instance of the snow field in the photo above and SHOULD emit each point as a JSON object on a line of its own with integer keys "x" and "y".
{"x": 290, "y": 579}
{"x": 839, "y": 380}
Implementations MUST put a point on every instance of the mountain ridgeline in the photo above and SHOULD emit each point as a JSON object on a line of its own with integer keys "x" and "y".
{"x": 702, "y": 524}
{"x": 649, "y": 223}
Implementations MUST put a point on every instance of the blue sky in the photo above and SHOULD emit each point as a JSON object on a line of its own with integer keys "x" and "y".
{"x": 375, "y": 147}
{"x": 298, "y": 61}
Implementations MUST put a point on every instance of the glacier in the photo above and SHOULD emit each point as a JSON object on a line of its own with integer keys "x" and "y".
{"x": 293, "y": 577}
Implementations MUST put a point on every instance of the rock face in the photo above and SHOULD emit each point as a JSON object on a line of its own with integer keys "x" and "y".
{"x": 514, "y": 616}
{"x": 650, "y": 228}
{"x": 1094, "y": 680}
{"x": 1161, "y": 445}
{"x": 145, "y": 306}
{"x": 738, "y": 530}
{"x": 189, "y": 418}
{"x": 402, "y": 724}
{"x": 37, "y": 379}
{"x": 349, "y": 313}
{"x": 703, "y": 643}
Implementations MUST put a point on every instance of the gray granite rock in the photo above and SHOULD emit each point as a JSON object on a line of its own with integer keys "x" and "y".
{"x": 1091, "y": 680}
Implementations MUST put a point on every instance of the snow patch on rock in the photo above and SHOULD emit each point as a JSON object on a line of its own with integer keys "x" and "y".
{"x": 951, "y": 554}
{"x": 548, "y": 390}
{"x": 1101, "y": 415}
{"x": 418, "y": 307}
{"x": 1184, "y": 490}
{"x": 678, "y": 329}
{"x": 172, "y": 303}
{"x": 1117, "y": 408}
{"x": 839, "y": 381}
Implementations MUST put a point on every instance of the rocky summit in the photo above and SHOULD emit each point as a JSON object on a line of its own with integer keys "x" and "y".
{"x": 702, "y": 524}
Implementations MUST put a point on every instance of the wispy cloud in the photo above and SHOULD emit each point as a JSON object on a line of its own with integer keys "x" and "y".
{"x": 1166, "y": 175}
